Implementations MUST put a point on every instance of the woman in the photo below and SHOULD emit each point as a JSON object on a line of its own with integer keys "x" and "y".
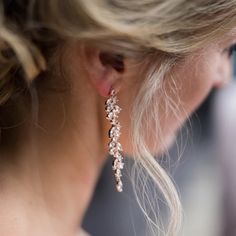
{"x": 61, "y": 61}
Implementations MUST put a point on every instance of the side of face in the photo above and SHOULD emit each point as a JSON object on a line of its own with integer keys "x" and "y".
{"x": 187, "y": 85}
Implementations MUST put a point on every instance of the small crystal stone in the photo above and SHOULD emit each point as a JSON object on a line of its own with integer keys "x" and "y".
{"x": 114, "y": 166}
{"x": 111, "y": 101}
{"x": 118, "y": 174}
{"x": 112, "y": 144}
{"x": 119, "y": 186}
{"x": 109, "y": 108}
{"x": 117, "y": 125}
{"x": 112, "y": 151}
{"x": 116, "y": 145}
{"x": 121, "y": 165}
{"x": 112, "y": 116}
{"x": 116, "y": 109}
{"x": 118, "y": 156}
{"x": 117, "y": 164}
{"x": 114, "y": 132}
{"x": 114, "y": 138}
{"x": 119, "y": 147}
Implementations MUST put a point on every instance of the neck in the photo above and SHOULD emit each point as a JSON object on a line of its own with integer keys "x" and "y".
{"x": 58, "y": 163}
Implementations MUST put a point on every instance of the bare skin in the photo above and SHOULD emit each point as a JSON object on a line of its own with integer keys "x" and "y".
{"x": 59, "y": 160}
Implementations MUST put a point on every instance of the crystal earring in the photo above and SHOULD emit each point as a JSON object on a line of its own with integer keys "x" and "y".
{"x": 115, "y": 147}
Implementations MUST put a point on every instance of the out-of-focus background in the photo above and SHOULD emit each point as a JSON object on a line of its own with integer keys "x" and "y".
{"x": 205, "y": 177}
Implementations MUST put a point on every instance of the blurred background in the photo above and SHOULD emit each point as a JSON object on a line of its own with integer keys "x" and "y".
{"x": 205, "y": 177}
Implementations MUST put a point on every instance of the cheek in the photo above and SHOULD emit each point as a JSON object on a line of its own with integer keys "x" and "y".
{"x": 187, "y": 87}
{"x": 196, "y": 81}
{"x": 183, "y": 91}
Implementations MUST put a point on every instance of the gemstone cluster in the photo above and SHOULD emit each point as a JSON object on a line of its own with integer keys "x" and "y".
{"x": 115, "y": 148}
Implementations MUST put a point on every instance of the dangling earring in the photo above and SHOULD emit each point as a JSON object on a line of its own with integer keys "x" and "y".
{"x": 115, "y": 147}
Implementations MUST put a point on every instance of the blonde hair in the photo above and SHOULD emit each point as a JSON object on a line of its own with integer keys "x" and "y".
{"x": 157, "y": 33}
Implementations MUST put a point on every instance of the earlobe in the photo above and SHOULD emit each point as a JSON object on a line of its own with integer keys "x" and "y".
{"x": 104, "y": 69}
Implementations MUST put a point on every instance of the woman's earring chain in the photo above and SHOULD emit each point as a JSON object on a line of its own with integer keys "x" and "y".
{"x": 115, "y": 147}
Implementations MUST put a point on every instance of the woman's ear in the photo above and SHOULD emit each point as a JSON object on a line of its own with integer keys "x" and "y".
{"x": 104, "y": 69}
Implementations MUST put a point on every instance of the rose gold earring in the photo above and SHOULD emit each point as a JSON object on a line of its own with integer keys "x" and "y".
{"x": 115, "y": 147}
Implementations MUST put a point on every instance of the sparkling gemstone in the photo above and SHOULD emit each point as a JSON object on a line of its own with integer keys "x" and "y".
{"x": 119, "y": 147}
{"x": 114, "y": 167}
{"x": 114, "y": 132}
{"x": 118, "y": 126}
{"x": 117, "y": 164}
{"x": 116, "y": 109}
{"x": 114, "y": 137}
{"x": 111, "y": 101}
{"x": 118, "y": 156}
{"x": 119, "y": 186}
{"x": 113, "y": 92}
{"x": 121, "y": 165}
{"x": 109, "y": 108}
{"x": 112, "y": 151}
{"x": 118, "y": 174}
{"x": 114, "y": 121}
{"x": 111, "y": 116}
{"x": 112, "y": 144}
